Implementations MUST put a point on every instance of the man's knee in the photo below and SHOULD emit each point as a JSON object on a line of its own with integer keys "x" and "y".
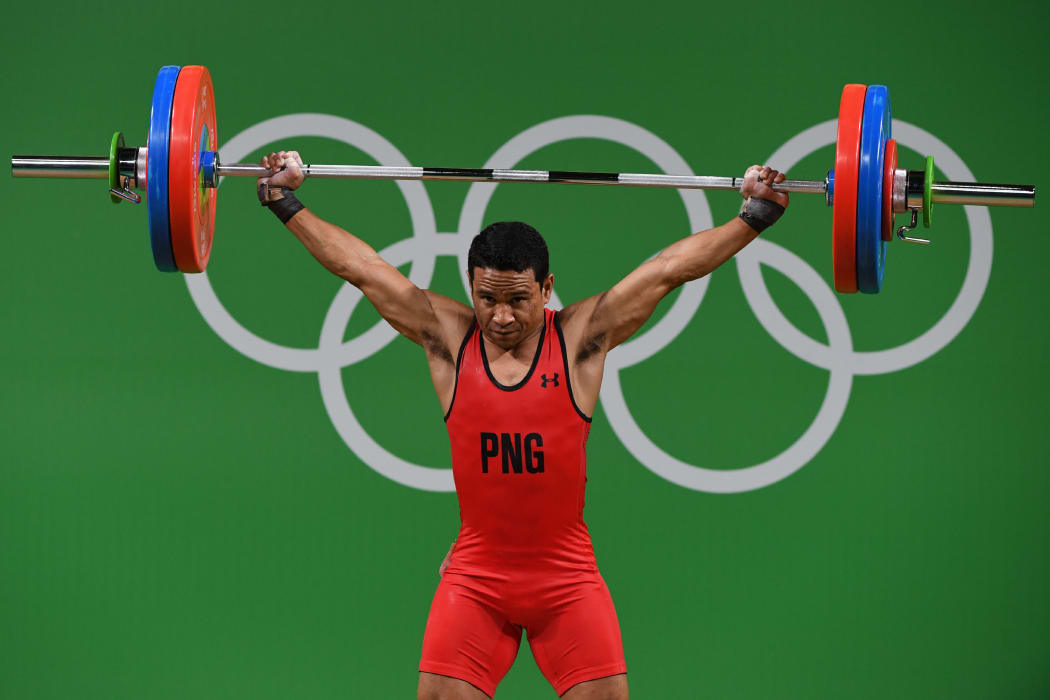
{"x": 608, "y": 688}
{"x": 437, "y": 687}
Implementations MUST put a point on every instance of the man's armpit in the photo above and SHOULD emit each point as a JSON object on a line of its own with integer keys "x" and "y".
{"x": 590, "y": 347}
{"x": 436, "y": 347}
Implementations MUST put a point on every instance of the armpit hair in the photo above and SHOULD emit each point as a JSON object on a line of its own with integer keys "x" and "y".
{"x": 436, "y": 347}
{"x": 593, "y": 345}
{"x": 590, "y": 347}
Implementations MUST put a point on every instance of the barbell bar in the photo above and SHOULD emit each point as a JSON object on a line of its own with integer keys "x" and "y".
{"x": 871, "y": 188}
{"x": 97, "y": 167}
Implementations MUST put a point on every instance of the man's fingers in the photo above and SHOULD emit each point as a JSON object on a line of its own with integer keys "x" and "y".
{"x": 764, "y": 174}
{"x": 751, "y": 176}
{"x": 444, "y": 562}
{"x": 292, "y": 160}
{"x": 279, "y": 161}
{"x": 282, "y": 160}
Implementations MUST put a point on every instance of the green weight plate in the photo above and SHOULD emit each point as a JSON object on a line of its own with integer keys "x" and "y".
{"x": 114, "y": 166}
{"x": 927, "y": 193}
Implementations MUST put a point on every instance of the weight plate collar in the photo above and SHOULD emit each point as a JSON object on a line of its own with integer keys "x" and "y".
{"x": 889, "y": 171}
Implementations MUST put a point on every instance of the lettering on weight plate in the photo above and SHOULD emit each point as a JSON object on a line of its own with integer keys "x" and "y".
{"x": 515, "y": 452}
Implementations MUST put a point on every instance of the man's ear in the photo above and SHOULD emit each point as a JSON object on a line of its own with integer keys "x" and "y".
{"x": 546, "y": 287}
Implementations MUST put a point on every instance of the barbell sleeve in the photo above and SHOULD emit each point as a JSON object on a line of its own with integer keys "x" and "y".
{"x": 60, "y": 166}
{"x": 986, "y": 194}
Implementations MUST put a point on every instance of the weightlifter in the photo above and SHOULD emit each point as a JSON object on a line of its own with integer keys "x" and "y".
{"x": 518, "y": 383}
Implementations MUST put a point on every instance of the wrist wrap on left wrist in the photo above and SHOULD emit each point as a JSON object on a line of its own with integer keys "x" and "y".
{"x": 760, "y": 214}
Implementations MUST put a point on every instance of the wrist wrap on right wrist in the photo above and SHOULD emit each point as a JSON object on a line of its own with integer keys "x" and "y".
{"x": 285, "y": 206}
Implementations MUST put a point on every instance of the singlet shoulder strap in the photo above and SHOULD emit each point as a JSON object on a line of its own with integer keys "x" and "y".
{"x": 459, "y": 361}
{"x": 565, "y": 363}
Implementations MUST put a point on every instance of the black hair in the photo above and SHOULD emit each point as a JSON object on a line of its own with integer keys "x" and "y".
{"x": 509, "y": 245}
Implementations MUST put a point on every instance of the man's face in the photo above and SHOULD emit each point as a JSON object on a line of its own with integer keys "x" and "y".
{"x": 509, "y": 305}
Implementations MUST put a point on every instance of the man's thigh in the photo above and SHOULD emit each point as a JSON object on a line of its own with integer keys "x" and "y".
{"x": 578, "y": 641}
{"x": 467, "y": 639}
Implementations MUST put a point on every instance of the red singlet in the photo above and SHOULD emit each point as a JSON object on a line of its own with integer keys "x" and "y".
{"x": 523, "y": 558}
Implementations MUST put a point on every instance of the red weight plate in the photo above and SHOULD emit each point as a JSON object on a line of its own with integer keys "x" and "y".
{"x": 191, "y": 205}
{"x": 844, "y": 207}
{"x": 887, "y": 189}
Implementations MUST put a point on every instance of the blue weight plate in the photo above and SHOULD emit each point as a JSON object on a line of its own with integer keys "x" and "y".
{"x": 874, "y": 132}
{"x": 157, "y": 169}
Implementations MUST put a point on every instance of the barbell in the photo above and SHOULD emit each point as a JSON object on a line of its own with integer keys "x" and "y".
{"x": 179, "y": 170}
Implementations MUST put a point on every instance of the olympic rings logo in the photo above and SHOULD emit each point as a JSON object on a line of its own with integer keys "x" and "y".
{"x": 421, "y": 250}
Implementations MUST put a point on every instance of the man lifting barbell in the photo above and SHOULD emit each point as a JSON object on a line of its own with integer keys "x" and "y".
{"x": 519, "y": 391}
{"x": 518, "y": 383}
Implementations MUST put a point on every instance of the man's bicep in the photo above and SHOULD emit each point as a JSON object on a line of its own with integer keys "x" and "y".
{"x": 398, "y": 300}
{"x": 602, "y": 322}
{"x": 630, "y": 303}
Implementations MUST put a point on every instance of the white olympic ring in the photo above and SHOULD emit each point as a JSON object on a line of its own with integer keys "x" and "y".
{"x": 426, "y": 244}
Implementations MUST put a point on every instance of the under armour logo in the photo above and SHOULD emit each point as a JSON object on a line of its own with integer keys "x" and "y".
{"x": 545, "y": 380}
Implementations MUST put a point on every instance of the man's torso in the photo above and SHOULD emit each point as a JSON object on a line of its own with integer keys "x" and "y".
{"x": 519, "y": 462}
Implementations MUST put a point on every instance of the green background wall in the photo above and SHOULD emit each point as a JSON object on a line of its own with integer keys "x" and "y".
{"x": 178, "y": 520}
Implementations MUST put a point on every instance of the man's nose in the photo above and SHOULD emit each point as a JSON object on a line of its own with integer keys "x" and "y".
{"x": 503, "y": 315}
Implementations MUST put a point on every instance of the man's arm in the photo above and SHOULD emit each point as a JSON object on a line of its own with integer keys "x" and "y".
{"x": 595, "y": 325}
{"x": 424, "y": 317}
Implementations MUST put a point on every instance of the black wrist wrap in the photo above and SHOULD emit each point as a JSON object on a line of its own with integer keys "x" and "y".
{"x": 760, "y": 214}
{"x": 287, "y": 206}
